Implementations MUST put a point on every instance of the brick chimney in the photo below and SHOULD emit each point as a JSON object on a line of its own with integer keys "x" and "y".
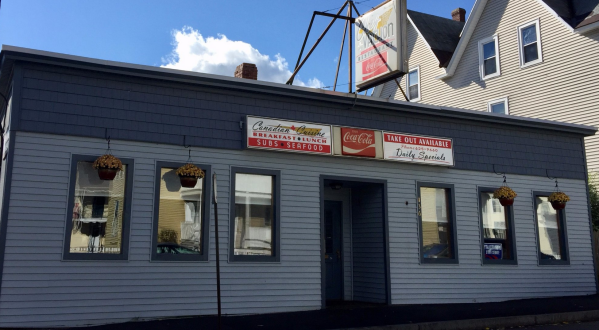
{"x": 247, "y": 71}
{"x": 458, "y": 14}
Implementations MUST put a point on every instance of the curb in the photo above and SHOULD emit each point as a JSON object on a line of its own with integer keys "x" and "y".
{"x": 497, "y": 322}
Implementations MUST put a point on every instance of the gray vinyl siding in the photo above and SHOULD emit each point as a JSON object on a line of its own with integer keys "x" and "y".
{"x": 61, "y": 100}
{"x": 38, "y": 289}
{"x": 369, "y": 245}
{"x": 562, "y": 88}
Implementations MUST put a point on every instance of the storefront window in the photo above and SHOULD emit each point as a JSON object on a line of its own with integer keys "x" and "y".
{"x": 437, "y": 232}
{"x": 97, "y": 214}
{"x": 254, "y": 215}
{"x": 497, "y": 229}
{"x": 551, "y": 232}
{"x": 179, "y": 215}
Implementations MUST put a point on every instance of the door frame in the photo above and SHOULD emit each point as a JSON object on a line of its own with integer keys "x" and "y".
{"x": 385, "y": 233}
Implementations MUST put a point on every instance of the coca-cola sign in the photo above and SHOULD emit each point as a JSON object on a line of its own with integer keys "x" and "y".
{"x": 358, "y": 142}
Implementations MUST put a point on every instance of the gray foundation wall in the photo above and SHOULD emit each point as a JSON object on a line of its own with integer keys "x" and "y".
{"x": 39, "y": 289}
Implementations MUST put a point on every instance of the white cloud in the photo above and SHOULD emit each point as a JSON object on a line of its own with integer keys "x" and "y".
{"x": 193, "y": 52}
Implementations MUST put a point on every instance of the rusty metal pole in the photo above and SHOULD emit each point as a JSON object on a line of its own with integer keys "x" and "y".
{"x": 350, "y": 44}
{"x": 215, "y": 202}
{"x": 340, "y": 55}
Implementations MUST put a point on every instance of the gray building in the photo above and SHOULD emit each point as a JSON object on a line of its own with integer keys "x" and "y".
{"x": 323, "y": 196}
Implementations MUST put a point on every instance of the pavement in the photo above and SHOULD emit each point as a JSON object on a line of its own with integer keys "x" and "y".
{"x": 528, "y": 312}
{"x": 562, "y": 326}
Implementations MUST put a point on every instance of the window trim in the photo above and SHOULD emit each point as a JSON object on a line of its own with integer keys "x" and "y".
{"x": 499, "y": 100}
{"x": 537, "y": 24}
{"x": 206, "y": 192}
{"x": 510, "y": 222}
{"x": 276, "y": 223}
{"x": 417, "y": 69}
{"x": 481, "y": 60}
{"x": 564, "y": 239}
{"x": 124, "y": 255}
{"x": 451, "y": 212}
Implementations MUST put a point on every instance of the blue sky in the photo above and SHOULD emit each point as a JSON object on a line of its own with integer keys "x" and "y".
{"x": 143, "y": 32}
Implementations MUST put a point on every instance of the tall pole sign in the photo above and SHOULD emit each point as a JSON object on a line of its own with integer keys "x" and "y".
{"x": 381, "y": 44}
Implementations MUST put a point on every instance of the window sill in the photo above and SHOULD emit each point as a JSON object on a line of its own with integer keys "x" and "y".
{"x": 490, "y": 77}
{"x": 414, "y": 100}
{"x": 500, "y": 263}
{"x": 431, "y": 261}
{"x": 529, "y": 64}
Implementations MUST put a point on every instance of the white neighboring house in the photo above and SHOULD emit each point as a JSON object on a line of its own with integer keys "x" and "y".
{"x": 533, "y": 58}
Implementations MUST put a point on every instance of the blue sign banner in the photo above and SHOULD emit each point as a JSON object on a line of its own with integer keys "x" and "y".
{"x": 493, "y": 251}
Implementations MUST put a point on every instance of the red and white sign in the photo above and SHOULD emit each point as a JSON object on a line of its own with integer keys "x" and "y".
{"x": 358, "y": 142}
{"x": 418, "y": 149}
{"x": 276, "y": 134}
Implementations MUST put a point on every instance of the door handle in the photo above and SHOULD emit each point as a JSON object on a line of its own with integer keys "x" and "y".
{"x": 338, "y": 254}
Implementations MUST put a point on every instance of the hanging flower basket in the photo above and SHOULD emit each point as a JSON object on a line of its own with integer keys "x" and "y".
{"x": 108, "y": 166}
{"x": 505, "y": 195}
{"x": 189, "y": 174}
{"x": 558, "y": 200}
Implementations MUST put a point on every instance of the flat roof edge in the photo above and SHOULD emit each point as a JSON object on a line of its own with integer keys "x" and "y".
{"x": 34, "y": 55}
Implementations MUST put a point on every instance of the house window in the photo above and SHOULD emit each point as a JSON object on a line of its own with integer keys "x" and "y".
{"x": 497, "y": 229}
{"x": 551, "y": 231}
{"x": 498, "y": 106}
{"x": 254, "y": 215}
{"x": 98, "y": 221}
{"x": 413, "y": 84}
{"x": 437, "y": 223}
{"x": 488, "y": 57}
{"x": 181, "y": 216}
{"x": 529, "y": 37}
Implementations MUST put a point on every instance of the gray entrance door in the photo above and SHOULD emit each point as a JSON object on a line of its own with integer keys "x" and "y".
{"x": 332, "y": 230}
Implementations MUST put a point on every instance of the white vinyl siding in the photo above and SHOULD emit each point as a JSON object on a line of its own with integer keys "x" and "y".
{"x": 529, "y": 41}
{"x": 40, "y": 290}
{"x": 488, "y": 58}
{"x": 534, "y": 91}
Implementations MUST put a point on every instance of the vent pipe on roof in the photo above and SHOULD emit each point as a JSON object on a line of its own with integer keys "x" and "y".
{"x": 247, "y": 71}
{"x": 458, "y": 14}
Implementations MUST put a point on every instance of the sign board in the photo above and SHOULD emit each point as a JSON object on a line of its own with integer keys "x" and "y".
{"x": 493, "y": 251}
{"x": 276, "y": 134}
{"x": 358, "y": 142}
{"x": 418, "y": 149}
{"x": 381, "y": 44}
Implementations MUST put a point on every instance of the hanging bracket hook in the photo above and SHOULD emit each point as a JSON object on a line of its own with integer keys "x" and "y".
{"x": 188, "y": 147}
{"x": 552, "y": 178}
{"x": 107, "y": 137}
{"x": 503, "y": 174}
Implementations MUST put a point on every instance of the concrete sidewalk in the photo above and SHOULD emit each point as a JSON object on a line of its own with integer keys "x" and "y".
{"x": 405, "y": 317}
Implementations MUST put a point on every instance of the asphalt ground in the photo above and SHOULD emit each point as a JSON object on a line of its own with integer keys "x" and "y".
{"x": 561, "y": 326}
{"x": 357, "y": 316}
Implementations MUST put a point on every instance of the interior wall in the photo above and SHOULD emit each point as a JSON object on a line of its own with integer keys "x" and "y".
{"x": 369, "y": 244}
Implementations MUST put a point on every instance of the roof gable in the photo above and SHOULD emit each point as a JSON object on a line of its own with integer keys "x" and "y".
{"x": 576, "y": 13}
{"x": 441, "y": 34}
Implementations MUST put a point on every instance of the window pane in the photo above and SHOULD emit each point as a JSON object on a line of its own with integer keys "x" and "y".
{"x": 496, "y": 233}
{"x": 549, "y": 230}
{"x": 498, "y": 108}
{"x": 490, "y": 66}
{"x": 531, "y": 53}
{"x": 413, "y": 78}
{"x": 97, "y": 211}
{"x": 529, "y": 35}
{"x": 413, "y": 92}
{"x": 179, "y": 215}
{"x": 253, "y": 214}
{"x": 436, "y": 226}
{"x": 489, "y": 50}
